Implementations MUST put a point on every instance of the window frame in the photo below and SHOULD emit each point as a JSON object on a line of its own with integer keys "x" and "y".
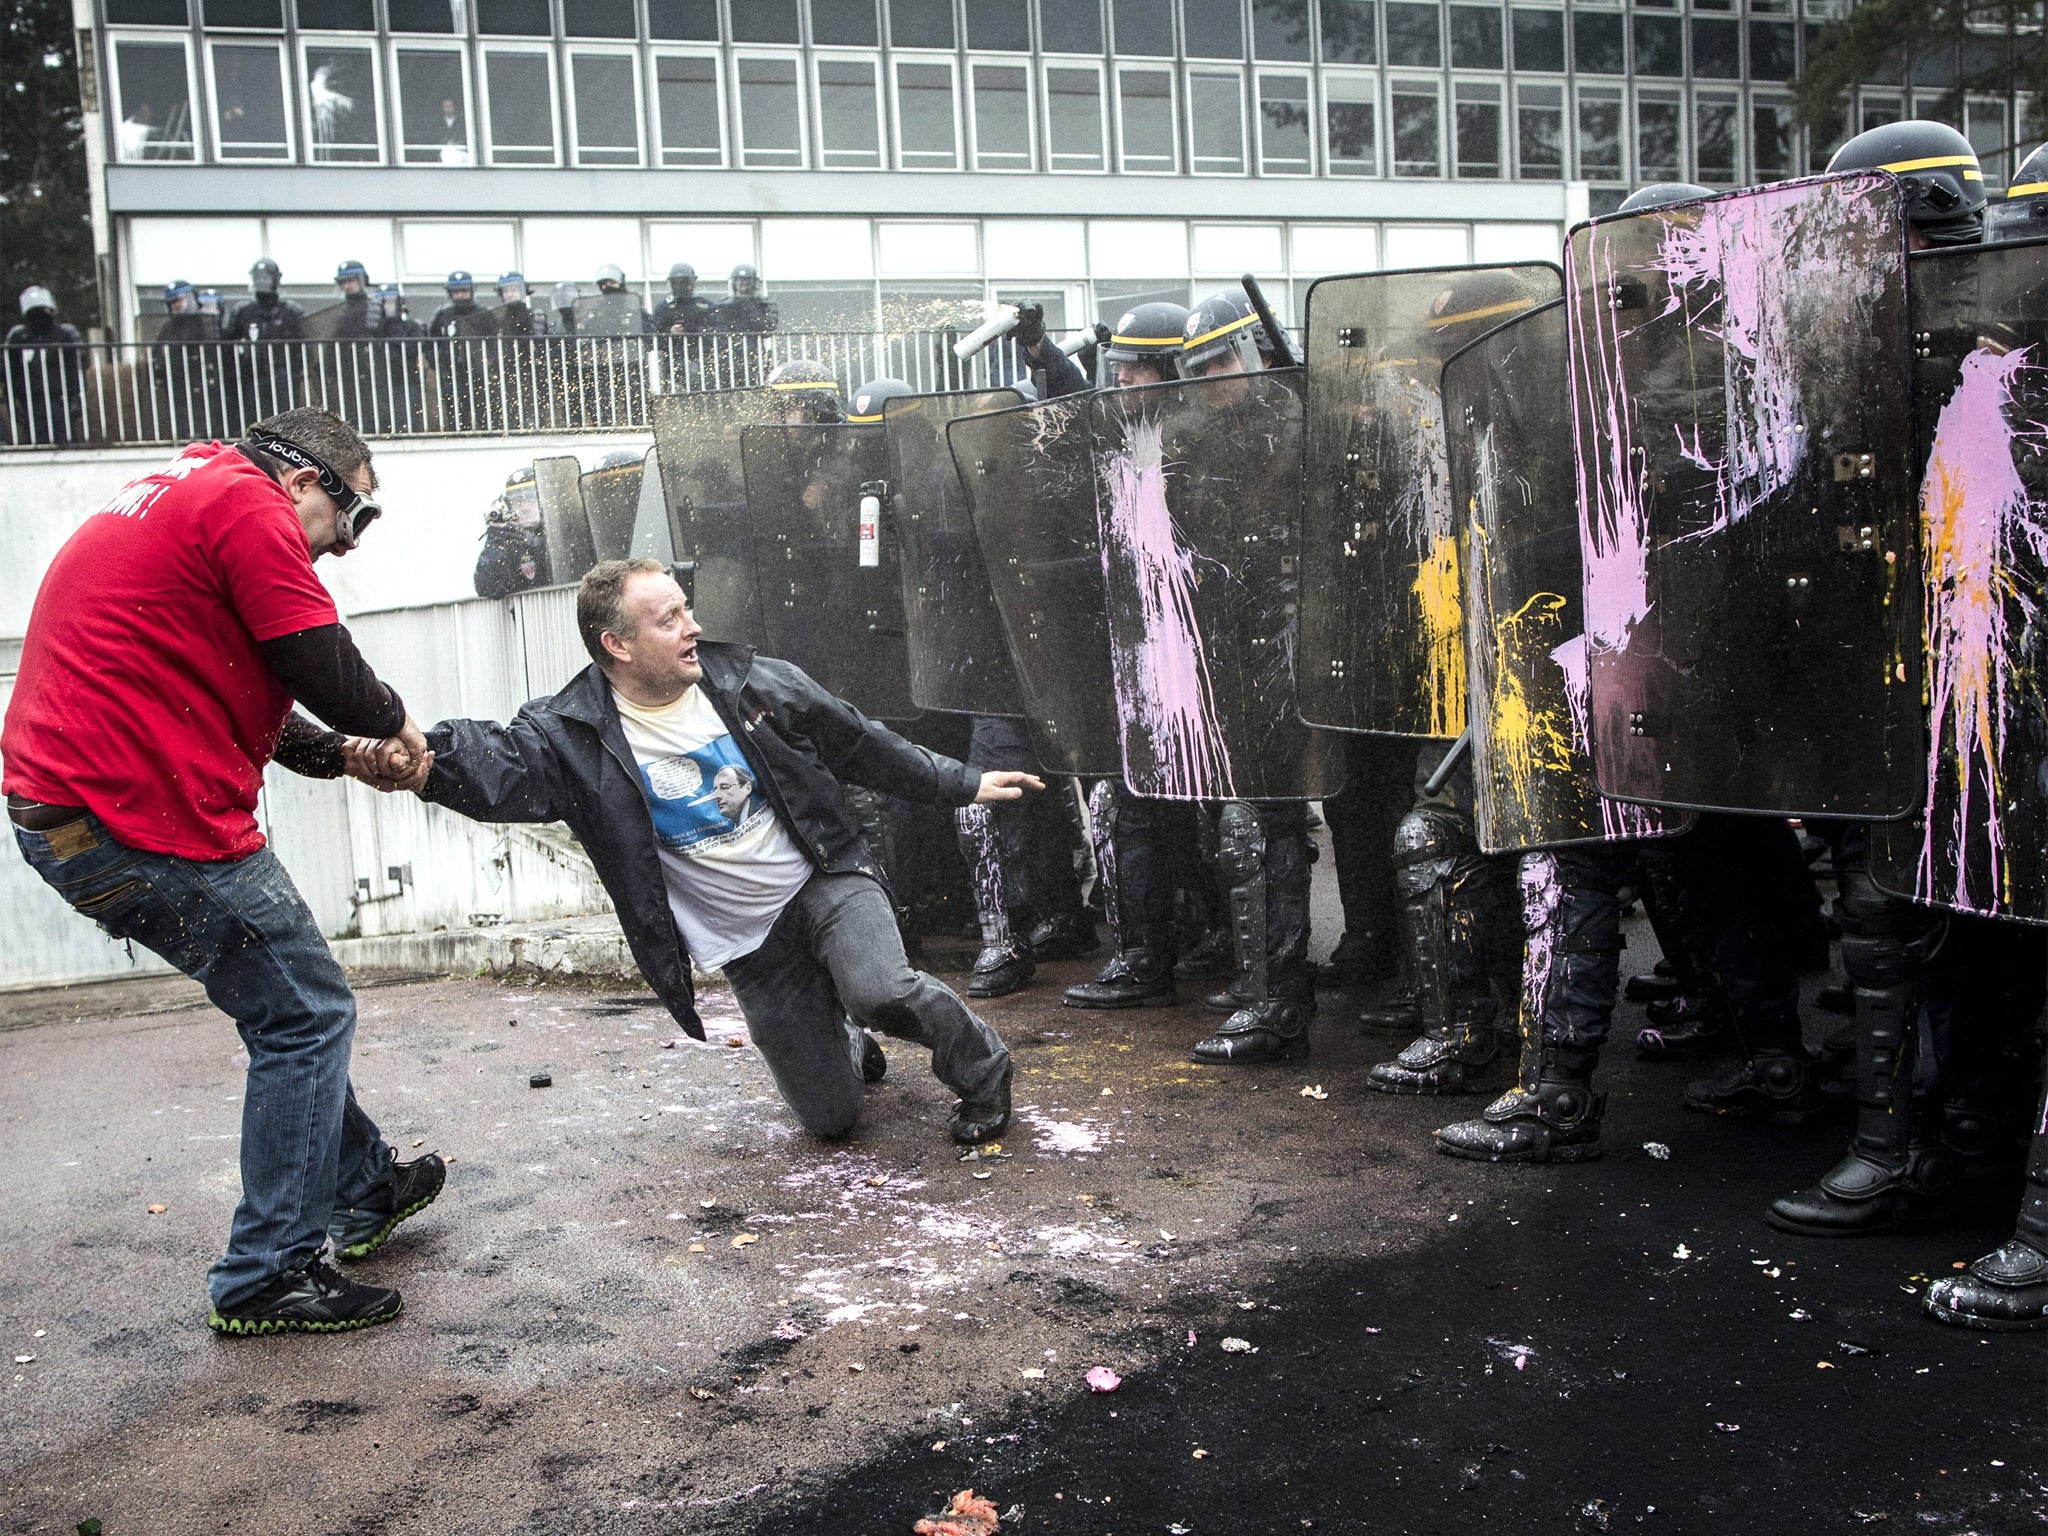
{"x": 482, "y": 119}
{"x": 924, "y": 58}
{"x": 659, "y": 144}
{"x": 1562, "y": 106}
{"x": 1367, "y": 79}
{"x": 873, "y": 60}
{"x": 1020, "y": 62}
{"x": 1753, "y": 174}
{"x": 182, "y": 37}
{"x": 1246, "y": 150}
{"x": 1260, "y": 73}
{"x": 1732, "y": 101}
{"x": 1171, "y": 72}
{"x": 361, "y": 42}
{"x": 1488, "y": 90}
{"x": 427, "y": 42}
{"x": 250, "y": 39}
{"x": 1660, "y": 96}
{"x": 618, "y": 50}
{"x": 1607, "y": 95}
{"x": 759, "y": 54}
{"x": 1436, "y": 88}
{"x": 1078, "y": 62}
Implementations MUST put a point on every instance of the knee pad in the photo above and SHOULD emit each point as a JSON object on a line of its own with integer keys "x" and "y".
{"x": 1426, "y": 846}
{"x": 1241, "y": 839}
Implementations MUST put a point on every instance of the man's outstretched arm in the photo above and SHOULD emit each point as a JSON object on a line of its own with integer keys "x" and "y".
{"x": 477, "y": 768}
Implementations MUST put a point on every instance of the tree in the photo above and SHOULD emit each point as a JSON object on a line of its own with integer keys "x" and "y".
{"x": 45, "y": 207}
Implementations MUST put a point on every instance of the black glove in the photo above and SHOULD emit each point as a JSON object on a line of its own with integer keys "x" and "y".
{"x": 1030, "y": 329}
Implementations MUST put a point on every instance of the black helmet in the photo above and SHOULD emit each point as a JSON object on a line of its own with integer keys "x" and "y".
{"x": 612, "y": 274}
{"x": 1943, "y": 183}
{"x": 391, "y": 299}
{"x": 869, "y": 399}
{"x": 264, "y": 276}
{"x": 619, "y": 458}
{"x": 209, "y": 301}
{"x": 460, "y": 279}
{"x": 1224, "y": 324}
{"x": 745, "y": 281}
{"x": 1151, "y": 333}
{"x": 807, "y": 385}
{"x": 180, "y": 297}
{"x": 1473, "y": 302}
{"x": 353, "y": 269}
{"x": 682, "y": 279}
{"x": 1663, "y": 194}
{"x": 2023, "y": 211}
{"x": 523, "y": 475}
{"x": 516, "y": 281}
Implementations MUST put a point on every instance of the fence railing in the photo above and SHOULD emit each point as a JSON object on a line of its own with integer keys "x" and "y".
{"x": 88, "y": 393}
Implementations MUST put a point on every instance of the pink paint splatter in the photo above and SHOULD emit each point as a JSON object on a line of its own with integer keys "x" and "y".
{"x": 991, "y": 905}
{"x": 1542, "y": 930}
{"x": 1614, "y": 524}
{"x": 1618, "y": 818}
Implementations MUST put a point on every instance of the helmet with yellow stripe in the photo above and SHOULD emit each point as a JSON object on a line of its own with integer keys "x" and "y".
{"x": 1224, "y": 325}
{"x": 1147, "y": 340}
{"x": 872, "y": 396}
{"x": 1938, "y": 169}
{"x": 2023, "y": 212}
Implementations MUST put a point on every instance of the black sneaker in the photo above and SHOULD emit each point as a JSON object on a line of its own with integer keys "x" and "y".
{"x": 356, "y": 1232}
{"x": 983, "y": 1119}
{"x": 874, "y": 1064}
{"x": 316, "y": 1298}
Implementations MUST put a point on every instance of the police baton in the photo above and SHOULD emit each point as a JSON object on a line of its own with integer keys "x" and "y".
{"x": 1435, "y": 782}
{"x": 1283, "y": 352}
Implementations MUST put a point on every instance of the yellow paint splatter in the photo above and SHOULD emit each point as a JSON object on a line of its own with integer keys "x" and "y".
{"x": 1528, "y": 738}
{"x": 1443, "y": 631}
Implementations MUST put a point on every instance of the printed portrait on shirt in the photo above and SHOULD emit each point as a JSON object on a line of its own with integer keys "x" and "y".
{"x": 702, "y": 799}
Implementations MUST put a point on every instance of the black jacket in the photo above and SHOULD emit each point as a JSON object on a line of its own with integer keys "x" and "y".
{"x": 566, "y": 759}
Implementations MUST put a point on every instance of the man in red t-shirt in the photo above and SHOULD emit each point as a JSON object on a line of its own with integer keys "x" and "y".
{"x": 168, "y": 642}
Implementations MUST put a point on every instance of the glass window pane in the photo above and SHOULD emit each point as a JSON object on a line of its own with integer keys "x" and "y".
{"x": 1280, "y": 30}
{"x": 1539, "y": 40}
{"x": 1216, "y": 123}
{"x": 607, "y": 111}
{"x": 1212, "y": 29}
{"x": 1418, "y": 149}
{"x": 765, "y": 21}
{"x": 1539, "y": 134}
{"x": 921, "y": 23}
{"x": 243, "y": 13}
{"x": 1144, "y": 28}
{"x": 686, "y": 106}
{"x": 1714, "y": 145}
{"x": 1413, "y": 41}
{"x": 156, "y": 101}
{"x": 341, "y": 103}
{"x": 1657, "y": 141}
{"x": 1660, "y": 46}
{"x": 1349, "y": 127}
{"x": 334, "y": 15}
{"x": 1002, "y": 117}
{"x": 1822, "y": 141}
{"x": 999, "y": 24}
{"x": 1597, "y": 43}
{"x": 513, "y": 18}
{"x": 1070, "y": 26}
{"x": 694, "y": 21}
{"x": 1350, "y": 32}
{"x": 1716, "y": 49}
{"x": 849, "y": 132}
{"x": 433, "y": 107}
{"x": 1475, "y": 37}
{"x": 248, "y": 102}
{"x": 924, "y": 117}
{"x": 1773, "y": 51}
{"x": 1879, "y": 112}
{"x": 1773, "y": 146}
{"x": 1073, "y": 116}
{"x": 147, "y": 13}
{"x": 522, "y": 110}
{"x": 1283, "y": 125}
{"x": 1478, "y": 128}
{"x": 599, "y": 18}
{"x": 1599, "y": 139}
{"x": 421, "y": 15}
{"x": 770, "y": 130}
{"x": 1145, "y": 101}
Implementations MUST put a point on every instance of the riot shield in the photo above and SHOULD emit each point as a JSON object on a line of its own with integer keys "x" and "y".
{"x": 698, "y": 438}
{"x": 1382, "y": 639}
{"x": 1509, "y": 424}
{"x": 333, "y": 323}
{"x": 1029, "y": 475}
{"x": 1980, "y": 408}
{"x": 1198, "y": 498}
{"x": 608, "y": 314}
{"x": 959, "y": 661}
{"x": 1746, "y": 501}
{"x": 611, "y": 500}
{"x": 560, "y": 483}
{"x": 831, "y": 588}
{"x": 651, "y": 537}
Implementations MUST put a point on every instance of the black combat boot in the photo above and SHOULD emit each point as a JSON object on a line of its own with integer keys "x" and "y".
{"x": 1660, "y": 984}
{"x": 2007, "y": 1289}
{"x": 1070, "y": 936}
{"x": 1551, "y": 1116}
{"x": 1399, "y": 1012}
{"x": 1360, "y": 960}
{"x": 1273, "y": 1030}
{"x": 1211, "y": 957}
{"x": 1137, "y": 978}
{"x": 1001, "y": 969}
{"x": 1685, "y": 1028}
{"x": 1458, "y": 1058}
{"x": 1777, "y": 1085}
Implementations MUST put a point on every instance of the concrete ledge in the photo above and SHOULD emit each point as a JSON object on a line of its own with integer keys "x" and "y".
{"x": 581, "y": 948}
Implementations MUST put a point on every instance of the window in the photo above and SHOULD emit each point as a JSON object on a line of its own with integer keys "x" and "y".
{"x": 1659, "y": 143}
{"x": 248, "y": 101}
{"x": 1002, "y": 117}
{"x": 1350, "y": 143}
{"x": 342, "y": 107}
{"x": 1283, "y": 125}
{"x": 1475, "y": 37}
{"x": 1280, "y": 31}
{"x": 920, "y": 23}
{"x": 605, "y": 98}
{"x": 771, "y": 116}
{"x": 332, "y": 15}
{"x": 1417, "y": 132}
{"x": 1984, "y": 127}
{"x": 1599, "y": 136}
{"x": 849, "y": 115}
{"x": 147, "y": 13}
{"x": 1004, "y": 25}
{"x": 599, "y": 18}
{"x": 1145, "y": 115}
{"x": 1716, "y": 48}
{"x": 1660, "y": 45}
{"x": 1350, "y": 32}
{"x": 683, "y": 21}
{"x": 513, "y": 18}
{"x": 1070, "y": 26}
{"x": 687, "y": 109}
{"x": 433, "y": 106}
{"x": 1215, "y": 123}
{"x": 1717, "y": 154}
{"x": 1773, "y": 143}
{"x": 1773, "y": 50}
{"x": 1073, "y": 118}
{"x": 1477, "y": 124}
{"x": 1539, "y": 132}
{"x": 268, "y": 14}
{"x": 1597, "y": 43}
{"x": 1413, "y": 38}
{"x": 764, "y": 21}
{"x": 927, "y": 129}
{"x": 1878, "y": 111}
{"x": 1539, "y": 40}
{"x": 1211, "y": 29}
{"x": 519, "y": 106}
{"x": 1144, "y": 28}
{"x": 153, "y": 96}
{"x": 422, "y": 15}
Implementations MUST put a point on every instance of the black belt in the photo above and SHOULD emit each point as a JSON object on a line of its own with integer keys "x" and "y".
{"x": 34, "y": 816}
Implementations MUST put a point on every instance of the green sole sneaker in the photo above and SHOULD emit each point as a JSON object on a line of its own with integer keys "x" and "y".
{"x": 314, "y": 1298}
{"x": 418, "y": 1184}
{"x": 251, "y": 1327}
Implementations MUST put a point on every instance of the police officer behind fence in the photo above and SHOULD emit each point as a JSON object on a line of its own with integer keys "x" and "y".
{"x": 44, "y": 367}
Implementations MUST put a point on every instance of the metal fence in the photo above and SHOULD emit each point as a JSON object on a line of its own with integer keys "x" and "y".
{"x": 89, "y": 393}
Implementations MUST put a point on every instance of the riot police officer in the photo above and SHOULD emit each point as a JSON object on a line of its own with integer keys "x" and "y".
{"x": 515, "y": 313}
{"x": 268, "y": 369}
{"x": 395, "y": 378}
{"x": 515, "y": 552}
{"x": 744, "y": 312}
{"x": 808, "y": 392}
{"x": 683, "y": 313}
{"x": 45, "y": 371}
{"x": 462, "y": 328}
{"x": 358, "y": 320}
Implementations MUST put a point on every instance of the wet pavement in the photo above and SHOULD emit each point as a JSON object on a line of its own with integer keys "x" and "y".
{"x": 647, "y": 1303}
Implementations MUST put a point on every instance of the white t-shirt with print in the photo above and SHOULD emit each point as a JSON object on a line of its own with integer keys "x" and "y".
{"x": 729, "y": 864}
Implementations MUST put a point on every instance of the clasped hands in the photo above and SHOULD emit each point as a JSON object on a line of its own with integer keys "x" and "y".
{"x": 395, "y": 763}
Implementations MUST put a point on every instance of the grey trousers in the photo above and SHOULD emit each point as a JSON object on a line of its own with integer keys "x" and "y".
{"x": 835, "y": 952}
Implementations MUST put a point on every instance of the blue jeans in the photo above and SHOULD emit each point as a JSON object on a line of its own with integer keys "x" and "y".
{"x": 240, "y": 928}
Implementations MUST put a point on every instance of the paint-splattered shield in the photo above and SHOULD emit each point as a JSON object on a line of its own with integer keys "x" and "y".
{"x": 611, "y": 500}
{"x": 959, "y": 660}
{"x": 1198, "y": 497}
{"x": 559, "y": 482}
{"x": 811, "y": 490}
{"x": 698, "y": 436}
{"x": 1746, "y": 501}
{"x": 608, "y": 314}
{"x": 1979, "y": 842}
{"x": 1030, "y": 479}
{"x": 1382, "y": 638}
{"x": 651, "y": 536}
{"x": 1509, "y": 433}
